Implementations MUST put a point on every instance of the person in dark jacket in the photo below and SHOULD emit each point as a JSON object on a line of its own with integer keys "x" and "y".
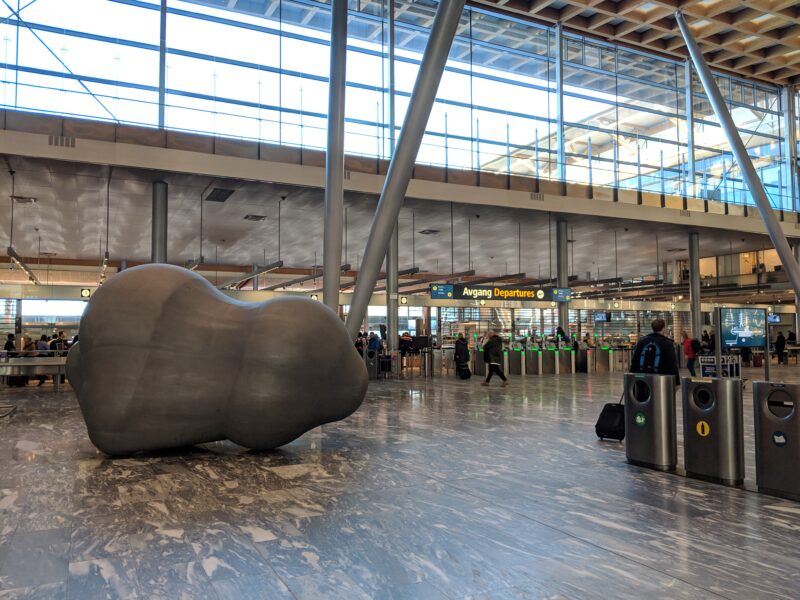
{"x": 461, "y": 354}
{"x": 11, "y": 345}
{"x": 493, "y": 356}
{"x": 780, "y": 347}
{"x": 660, "y": 360}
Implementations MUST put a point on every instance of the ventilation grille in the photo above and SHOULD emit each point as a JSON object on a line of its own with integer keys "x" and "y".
{"x": 61, "y": 140}
{"x": 219, "y": 195}
{"x": 255, "y": 217}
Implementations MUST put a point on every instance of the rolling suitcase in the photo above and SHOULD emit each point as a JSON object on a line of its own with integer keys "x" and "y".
{"x": 611, "y": 423}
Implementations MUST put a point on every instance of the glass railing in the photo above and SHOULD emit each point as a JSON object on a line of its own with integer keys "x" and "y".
{"x": 370, "y": 139}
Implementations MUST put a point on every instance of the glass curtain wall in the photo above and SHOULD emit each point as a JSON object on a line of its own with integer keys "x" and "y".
{"x": 258, "y": 70}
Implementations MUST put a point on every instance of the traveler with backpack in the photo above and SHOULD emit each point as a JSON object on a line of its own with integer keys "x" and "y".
{"x": 691, "y": 348}
{"x": 493, "y": 357}
{"x": 655, "y": 353}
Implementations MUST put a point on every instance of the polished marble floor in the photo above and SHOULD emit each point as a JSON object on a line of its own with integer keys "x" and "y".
{"x": 433, "y": 489}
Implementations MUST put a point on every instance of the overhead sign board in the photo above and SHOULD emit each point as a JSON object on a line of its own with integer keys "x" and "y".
{"x": 451, "y": 291}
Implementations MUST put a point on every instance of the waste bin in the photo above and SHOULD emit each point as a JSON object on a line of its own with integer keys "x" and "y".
{"x": 533, "y": 361}
{"x": 777, "y": 426}
{"x": 650, "y": 433}
{"x": 713, "y": 430}
{"x": 371, "y": 360}
{"x": 516, "y": 357}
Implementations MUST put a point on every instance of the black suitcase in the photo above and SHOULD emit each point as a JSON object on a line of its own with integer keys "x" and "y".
{"x": 611, "y": 423}
{"x": 463, "y": 370}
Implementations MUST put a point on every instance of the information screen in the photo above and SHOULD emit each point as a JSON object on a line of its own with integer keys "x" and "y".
{"x": 743, "y": 327}
{"x": 600, "y": 317}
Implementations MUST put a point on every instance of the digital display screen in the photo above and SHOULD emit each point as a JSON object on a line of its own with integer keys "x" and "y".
{"x": 600, "y": 316}
{"x": 743, "y": 327}
{"x": 771, "y": 318}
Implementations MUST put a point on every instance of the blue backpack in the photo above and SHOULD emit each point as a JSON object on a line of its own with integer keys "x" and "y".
{"x": 650, "y": 358}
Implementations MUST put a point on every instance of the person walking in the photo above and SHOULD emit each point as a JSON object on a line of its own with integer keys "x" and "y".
{"x": 493, "y": 356}
{"x": 780, "y": 347}
{"x": 691, "y": 347}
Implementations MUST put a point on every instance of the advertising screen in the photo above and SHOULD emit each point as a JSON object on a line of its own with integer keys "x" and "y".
{"x": 743, "y": 327}
{"x": 773, "y": 318}
{"x": 600, "y": 317}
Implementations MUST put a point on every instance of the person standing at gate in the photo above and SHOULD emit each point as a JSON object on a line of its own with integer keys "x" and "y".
{"x": 780, "y": 347}
{"x": 655, "y": 353}
{"x": 691, "y": 347}
{"x": 493, "y": 356}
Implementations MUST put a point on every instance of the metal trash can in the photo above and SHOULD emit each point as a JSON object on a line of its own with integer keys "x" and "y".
{"x": 777, "y": 426}
{"x": 371, "y": 360}
{"x": 651, "y": 438}
{"x": 478, "y": 364}
{"x": 713, "y": 429}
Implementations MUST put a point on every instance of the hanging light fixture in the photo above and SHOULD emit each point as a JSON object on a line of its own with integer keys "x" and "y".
{"x": 104, "y": 263}
{"x": 16, "y": 259}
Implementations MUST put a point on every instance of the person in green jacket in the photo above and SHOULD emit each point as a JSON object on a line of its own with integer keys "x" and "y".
{"x": 493, "y": 356}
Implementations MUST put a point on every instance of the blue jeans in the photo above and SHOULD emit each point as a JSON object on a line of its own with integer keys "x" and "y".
{"x": 690, "y": 363}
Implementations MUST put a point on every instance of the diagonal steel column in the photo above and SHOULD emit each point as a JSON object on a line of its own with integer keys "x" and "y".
{"x": 334, "y": 162}
{"x": 394, "y": 188}
{"x": 393, "y": 253}
{"x": 749, "y": 174}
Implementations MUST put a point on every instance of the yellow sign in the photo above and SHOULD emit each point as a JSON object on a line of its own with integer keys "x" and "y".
{"x": 703, "y": 428}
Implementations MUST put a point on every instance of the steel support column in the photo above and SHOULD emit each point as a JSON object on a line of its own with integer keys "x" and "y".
{"x": 790, "y": 145}
{"x": 560, "y": 146}
{"x": 443, "y": 31}
{"x": 158, "y": 243}
{"x": 749, "y": 174}
{"x": 393, "y": 253}
{"x": 694, "y": 284}
{"x": 334, "y": 161}
{"x": 162, "y": 66}
{"x": 562, "y": 270}
{"x": 690, "y": 164}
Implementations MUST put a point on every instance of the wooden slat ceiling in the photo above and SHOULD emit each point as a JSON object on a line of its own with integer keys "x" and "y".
{"x": 757, "y": 39}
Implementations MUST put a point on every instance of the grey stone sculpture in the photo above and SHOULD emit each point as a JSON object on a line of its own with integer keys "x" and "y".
{"x": 165, "y": 360}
